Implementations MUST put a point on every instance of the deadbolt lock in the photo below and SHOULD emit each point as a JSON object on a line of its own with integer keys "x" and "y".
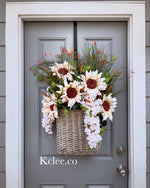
{"x": 120, "y": 150}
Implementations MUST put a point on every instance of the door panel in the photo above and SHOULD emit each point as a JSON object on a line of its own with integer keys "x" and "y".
{"x": 110, "y": 37}
{"x": 97, "y": 171}
{"x": 40, "y": 37}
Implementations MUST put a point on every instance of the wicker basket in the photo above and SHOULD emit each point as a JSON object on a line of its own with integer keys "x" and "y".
{"x": 71, "y": 138}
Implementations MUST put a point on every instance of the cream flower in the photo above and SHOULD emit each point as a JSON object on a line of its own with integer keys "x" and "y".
{"x": 71, "y": 93}
{"x": 49, "y": 108}
{"x": 47, "y": 124}
{"x": 108, "y": 105}
{"x": 63, "y": 70}
{"x": 50, "y": 112}
{"x": 92, "y": 105}
{"x": 93, "y": 140}
{"x": 93, "y": 83}
{"x": 92, "y": 130}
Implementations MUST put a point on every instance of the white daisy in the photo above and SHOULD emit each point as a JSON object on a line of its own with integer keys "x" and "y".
{"x": 108, "y": 105}
{"x": 93, "y": 83}
{"x": 71, "y": 93}
{"x": 63, "y": 70}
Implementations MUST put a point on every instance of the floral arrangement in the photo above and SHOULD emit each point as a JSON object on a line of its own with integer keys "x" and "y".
{"x": 79, "y": 82}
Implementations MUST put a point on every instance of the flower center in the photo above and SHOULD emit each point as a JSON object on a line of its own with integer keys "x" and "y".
{"x": 106, "y": 105}
{"x": 63, "y": 71}
{"x": 71, "y": 92}
{"x": 52, "y": 107}
{"x": 91, "y": 83}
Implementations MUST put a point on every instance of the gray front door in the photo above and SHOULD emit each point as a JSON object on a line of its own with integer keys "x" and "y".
{"x": 97, "y": 171}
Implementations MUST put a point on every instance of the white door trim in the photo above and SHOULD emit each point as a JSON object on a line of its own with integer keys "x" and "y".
{"x": 16, "y": 13}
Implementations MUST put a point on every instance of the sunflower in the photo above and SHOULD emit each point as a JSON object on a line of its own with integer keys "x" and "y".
{"x": 71, "y": 93}
{"x": 63, "y": 70}
{"x": 108, "y": 105}
{"x": 93, "y": 82}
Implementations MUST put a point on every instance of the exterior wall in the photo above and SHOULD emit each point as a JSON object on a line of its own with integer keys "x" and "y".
{"x": 148, "y": 88}
{"x": 2, "y": 91}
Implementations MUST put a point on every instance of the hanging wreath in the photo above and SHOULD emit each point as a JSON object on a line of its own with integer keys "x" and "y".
{"x": 78, "y": 82}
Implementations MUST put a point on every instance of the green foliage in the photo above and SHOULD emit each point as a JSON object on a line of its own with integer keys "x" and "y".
{"x": 113, "y": 58}
{"x": 103, "y": 123}
{"x": 90, "y": 113}
{"x": 88, "y": 68}
{"x": 88, "y": 50}
{"x": 102, "y": 131}
{"x": 76, "y": 105}
{"x": 88, "y": 148}
{"x": 92, "y": 59}
{"x": 65, "y": 111}
{"x": 84, "y": 108}
{"x": 53, "y": 84}
{"x": 59, "y": 101}
{"x": 34, "y": 68}
{"x": 40, "y": 77}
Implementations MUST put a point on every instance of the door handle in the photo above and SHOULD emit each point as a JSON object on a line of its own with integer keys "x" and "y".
{"x": 121, "y": 170}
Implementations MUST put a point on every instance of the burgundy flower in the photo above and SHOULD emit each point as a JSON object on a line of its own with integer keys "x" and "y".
{"x": 63, "y": 71}
{"x": 106, "y": 105}
{"x": 71, "y": 92}
{"x": 91, "y": 84}
{"x": 52, "y": 107}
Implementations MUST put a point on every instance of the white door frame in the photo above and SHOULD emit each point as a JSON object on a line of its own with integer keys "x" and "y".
{"x": 16, "y": 13}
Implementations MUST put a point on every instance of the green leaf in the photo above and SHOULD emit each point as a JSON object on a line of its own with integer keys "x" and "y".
{"x": 94, "y": 57}
{"x": 65, "y": 111}
{"x": 40, "y": 77}
{"x": 107, "y": 79}
{"x": 105, "y": 129}
{"x": 113, "y": 58}
{"x": 88, "y": 50}
{"x": 104, "y": 123}
{"x": 59, "y": 101}
{"x": 34, "y": 68}
{"x": 53, "y": 84}
{"x": 77, "y": 105}
{"x": 56, "y": 95}
{"x": 90, "y": 113}
{"x": 88, "y": 148}
{"x": 88, "y": 68}
{"x": 84, "y": 108}
{"x": 71, "y": 62}
{"x": 34, "y": 74}
{"x": 109, "y": 74}
{"x": 115, "y": 94}
{"x": 101, "y": 132}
